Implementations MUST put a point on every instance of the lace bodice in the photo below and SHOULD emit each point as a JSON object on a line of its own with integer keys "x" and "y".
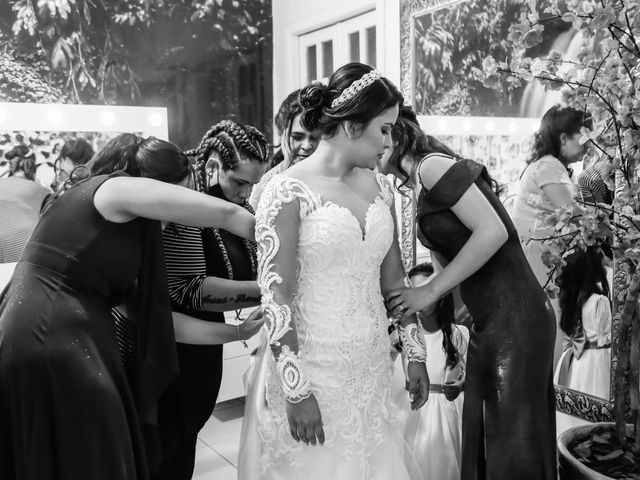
{"x": 337, "y": 314}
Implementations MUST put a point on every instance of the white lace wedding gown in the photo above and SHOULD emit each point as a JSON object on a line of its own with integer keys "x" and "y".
{"x": 341, "y": 325}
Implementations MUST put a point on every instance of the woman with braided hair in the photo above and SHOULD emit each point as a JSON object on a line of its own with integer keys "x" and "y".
{"x": 209, "y": 271}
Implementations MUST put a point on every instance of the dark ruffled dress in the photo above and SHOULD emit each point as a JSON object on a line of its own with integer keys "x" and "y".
{"x": 68, "y": 410}
{"x": 508, "y": 424}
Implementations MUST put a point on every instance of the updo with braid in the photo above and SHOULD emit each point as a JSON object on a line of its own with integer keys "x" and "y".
{"x": 232, "y": 142}
{"x": 367, "y": 103}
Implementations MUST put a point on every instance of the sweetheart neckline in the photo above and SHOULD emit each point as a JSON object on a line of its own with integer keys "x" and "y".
{"x": 363, "y": 227}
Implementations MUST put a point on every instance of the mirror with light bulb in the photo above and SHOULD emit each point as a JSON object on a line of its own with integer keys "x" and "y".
{"x": 41, "y": 144}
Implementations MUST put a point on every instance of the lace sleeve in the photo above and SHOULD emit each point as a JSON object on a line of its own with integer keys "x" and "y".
{"x": 277, "y": 222}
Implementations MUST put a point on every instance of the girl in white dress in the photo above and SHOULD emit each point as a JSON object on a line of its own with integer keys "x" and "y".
{"x": 434, "y": 433}
{"x": 319, "y": 405}
{"x": 586, "y": 320}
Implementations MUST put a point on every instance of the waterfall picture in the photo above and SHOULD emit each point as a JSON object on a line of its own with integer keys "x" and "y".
{"x": 449, "y": 41}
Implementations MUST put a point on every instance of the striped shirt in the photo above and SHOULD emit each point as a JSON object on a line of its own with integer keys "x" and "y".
{"x": 592, "y": 186}
{"x": 186, "y": 266}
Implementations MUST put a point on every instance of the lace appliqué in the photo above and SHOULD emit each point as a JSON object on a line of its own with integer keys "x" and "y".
{"x": 295, "y": 385}
{"x": 277, "y": 317}
{"x": 413, "y": 343}
{"x": 340, "y": 321}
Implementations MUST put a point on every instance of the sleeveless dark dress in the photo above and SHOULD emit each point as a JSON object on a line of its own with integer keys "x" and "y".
{"x": 189, "y": 402}
{"x": 508, "y": 423}
{"x": 67, "y": 408}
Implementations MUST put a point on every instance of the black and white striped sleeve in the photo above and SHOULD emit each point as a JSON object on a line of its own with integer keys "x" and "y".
{"x": 186, "y": 267}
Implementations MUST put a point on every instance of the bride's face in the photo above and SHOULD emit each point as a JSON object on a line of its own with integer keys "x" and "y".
{"x": 374, "y": 141}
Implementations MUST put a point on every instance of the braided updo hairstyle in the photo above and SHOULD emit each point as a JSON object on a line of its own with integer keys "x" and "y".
{"x": 319, "y": 116}
{"x": 231, "y": 141}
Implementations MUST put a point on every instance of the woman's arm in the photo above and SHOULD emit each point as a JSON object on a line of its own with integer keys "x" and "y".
{"x": 200, "y": 332}
{"x": 189, "y": 285}
{"x": 488, "y": 234}
{"x": 222, "y": 295}
{"x": 121, "y": 199}
{"x": 559, "y": 194}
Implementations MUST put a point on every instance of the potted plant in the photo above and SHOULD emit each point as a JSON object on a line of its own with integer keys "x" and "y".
{"x": 605, "y": 81}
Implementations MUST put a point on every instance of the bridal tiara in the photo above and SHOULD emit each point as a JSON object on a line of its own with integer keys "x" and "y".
{"x": 357, "y": 86}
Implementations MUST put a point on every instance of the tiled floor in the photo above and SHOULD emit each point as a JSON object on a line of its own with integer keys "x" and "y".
{"x": 218, "y": 444}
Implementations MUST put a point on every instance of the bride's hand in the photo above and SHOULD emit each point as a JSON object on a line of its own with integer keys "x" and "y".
{"x": 305, "y": 421}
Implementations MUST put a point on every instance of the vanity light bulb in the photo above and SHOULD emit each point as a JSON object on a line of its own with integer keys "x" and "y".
{"x": 490, "y": 126}
{"x": 442, "y": 125}
{"x": 108, "y": 118}
{"x": 513, "y": 127}
{"x": 55, "y": 117}
{"x": 466, "y": 125}
{"x": 155, "y": 119}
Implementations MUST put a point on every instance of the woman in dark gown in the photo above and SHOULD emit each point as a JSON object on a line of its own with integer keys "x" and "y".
{"x": 508, "y": 418}
{"x": 67, "y": 408}
{"x": 209, "y": 271}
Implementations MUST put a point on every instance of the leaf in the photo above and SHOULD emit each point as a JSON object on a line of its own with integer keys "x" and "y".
{"x": 610, "y": 456}
{"x": 583, "y": 449}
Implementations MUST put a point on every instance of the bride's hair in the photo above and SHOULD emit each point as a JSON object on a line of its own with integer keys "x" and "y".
{"x": 319, "y": 115}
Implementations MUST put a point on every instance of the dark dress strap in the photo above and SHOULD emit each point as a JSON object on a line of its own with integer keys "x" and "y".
{"x": 448, "y": 190}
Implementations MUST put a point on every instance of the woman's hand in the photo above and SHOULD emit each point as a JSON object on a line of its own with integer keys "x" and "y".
{"x": 251, "y": 325}
{"x": 305, "y": 421}
{"x": 405, "y": 302}
{"x": 453, "y": 389}
{"x": 418, "y": 384}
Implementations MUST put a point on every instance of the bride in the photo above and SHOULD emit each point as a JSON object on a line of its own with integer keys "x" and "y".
{"x": 319, "y": 404}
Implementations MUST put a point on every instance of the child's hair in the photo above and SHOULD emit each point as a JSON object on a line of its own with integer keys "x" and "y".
{"x": 424, "y": 268}
{"x": 582, "y": 276}
{"x": 445, "y": 315}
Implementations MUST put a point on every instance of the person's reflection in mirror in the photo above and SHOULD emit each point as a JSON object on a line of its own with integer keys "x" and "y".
{"x": 585, "y": 364}
{"x": 20, "y": 199}
{"x": 74, "y": 153}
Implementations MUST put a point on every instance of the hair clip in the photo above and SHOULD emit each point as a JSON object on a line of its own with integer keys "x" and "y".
{"x": 356, "y": 87}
